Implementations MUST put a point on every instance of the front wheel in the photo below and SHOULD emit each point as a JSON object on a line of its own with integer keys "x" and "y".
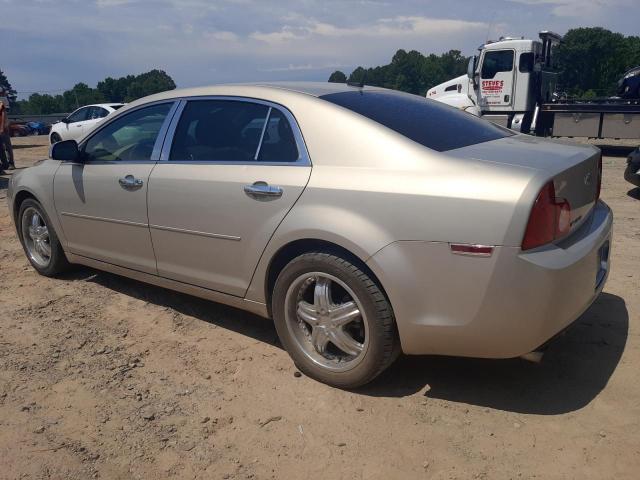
{"x": 55, "y": 138}
{"x": 39, "y": 240}
{"x": 333, "y": 320}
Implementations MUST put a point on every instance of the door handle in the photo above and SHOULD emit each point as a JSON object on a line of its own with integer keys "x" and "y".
{"x": 130, "y": 182}
{"x": 262, "y": 190}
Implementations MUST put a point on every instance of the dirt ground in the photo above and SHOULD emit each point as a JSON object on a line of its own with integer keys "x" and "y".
{"x": 104, "y": 377}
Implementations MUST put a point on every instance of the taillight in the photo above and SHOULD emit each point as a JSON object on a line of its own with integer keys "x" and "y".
{"x": 550, "y": 219}
{"x": 599, "y": 187}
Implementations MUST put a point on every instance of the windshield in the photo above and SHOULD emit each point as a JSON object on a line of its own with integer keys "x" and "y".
{"x": 427, "y": 122}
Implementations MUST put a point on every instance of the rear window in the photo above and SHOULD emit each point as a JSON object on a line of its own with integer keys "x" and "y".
{"x": 427, "y": 122}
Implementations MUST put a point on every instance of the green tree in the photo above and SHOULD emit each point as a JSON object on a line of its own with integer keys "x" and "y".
{"x": 412, "y": 71}
{"x": 338, "y": 77}
{"x": 115, "y": 90}
{"x": 149, "y": 83}
{"x": 4, "y": 83}
{"x": 81, "y": 94}
{"x": 594, "y": 59}
{"x": 124, "y": 89}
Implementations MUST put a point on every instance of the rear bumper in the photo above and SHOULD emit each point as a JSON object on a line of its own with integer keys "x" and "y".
{"x": 501, "y": 306}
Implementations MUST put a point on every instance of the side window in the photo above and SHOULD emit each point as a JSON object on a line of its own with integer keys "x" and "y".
{"x": 219, "y": 130}
{"x": 130, "y": 137}
{"x": 451, "y": 88}
{"x": 279, "y": 143}
{"x": 79, "y": 115}
{"x": 526, "y": 62}
{"x": 96, "y": 113}
{"x": 497, "y": 61}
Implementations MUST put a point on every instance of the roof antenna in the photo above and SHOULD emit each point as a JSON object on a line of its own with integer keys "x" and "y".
{"x": 359, "y": 84}
{"x": 493, "y": 18}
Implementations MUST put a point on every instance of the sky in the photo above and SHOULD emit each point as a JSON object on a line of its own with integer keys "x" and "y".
{"x": 50, "y": 45}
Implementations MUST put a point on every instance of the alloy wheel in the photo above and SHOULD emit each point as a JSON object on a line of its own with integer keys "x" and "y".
{"x": 36, "y": 237}
{"x": 327, "y": 321}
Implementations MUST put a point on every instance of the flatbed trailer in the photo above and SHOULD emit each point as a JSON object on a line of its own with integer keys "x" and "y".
{"x": 600, "y": 119}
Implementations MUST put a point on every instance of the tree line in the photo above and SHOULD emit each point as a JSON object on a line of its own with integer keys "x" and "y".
{"x": 109, "y": 90}
{"x": 590, "y": 60}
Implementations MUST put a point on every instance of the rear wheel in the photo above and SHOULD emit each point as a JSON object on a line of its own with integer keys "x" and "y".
{"x": 333, "y": 320}
{"x": 39, "y": 240}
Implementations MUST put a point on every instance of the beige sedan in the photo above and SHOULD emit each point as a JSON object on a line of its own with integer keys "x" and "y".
{"x": 364, "y": 221}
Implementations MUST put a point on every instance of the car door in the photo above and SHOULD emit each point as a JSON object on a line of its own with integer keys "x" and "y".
{"x": 102, "y": 202}
{"x": 496, "y": 78}
{"x": 232, "y": 172}
{"x": 73, "y": 128}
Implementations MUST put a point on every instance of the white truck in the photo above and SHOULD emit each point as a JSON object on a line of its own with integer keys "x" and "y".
{"x": 512, "y": 82}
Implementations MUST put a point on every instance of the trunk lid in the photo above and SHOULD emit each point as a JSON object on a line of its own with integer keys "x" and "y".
{"x": 574, "y": 169}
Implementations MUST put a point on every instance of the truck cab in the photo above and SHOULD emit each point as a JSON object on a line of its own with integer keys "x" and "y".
{"x": 506, "y": 80}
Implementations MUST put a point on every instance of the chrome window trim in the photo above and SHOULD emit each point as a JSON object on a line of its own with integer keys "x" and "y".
{"x": 303, "y": 155}
{"x": 264, "y": 129}
{"x": 157, "y": 146}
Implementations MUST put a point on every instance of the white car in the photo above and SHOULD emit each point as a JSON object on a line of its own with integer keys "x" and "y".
{"x": 78, "y": 123}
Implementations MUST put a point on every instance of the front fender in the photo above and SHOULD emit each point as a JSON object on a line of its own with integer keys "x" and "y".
{"x": 37, "y": 181}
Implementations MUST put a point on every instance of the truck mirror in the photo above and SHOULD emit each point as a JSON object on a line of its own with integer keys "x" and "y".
{"x": 471, "y": 67}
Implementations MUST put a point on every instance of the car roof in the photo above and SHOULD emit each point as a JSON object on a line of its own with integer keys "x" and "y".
{"x": 315, "y": 89}
{"x": 114, "y": 104}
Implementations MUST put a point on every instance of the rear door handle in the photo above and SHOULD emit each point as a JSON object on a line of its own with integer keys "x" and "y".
{"x": 262, "y": 190}
{"x": 130, "y": 182}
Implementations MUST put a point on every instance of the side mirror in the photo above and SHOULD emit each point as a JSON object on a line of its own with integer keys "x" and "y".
{"x": 65, "y": 151}
{"x": 65, "y": 120}
{"x": 471, "y": 67}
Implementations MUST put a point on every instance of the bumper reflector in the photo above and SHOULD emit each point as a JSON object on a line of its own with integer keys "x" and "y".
{"x": 475, "y": 250}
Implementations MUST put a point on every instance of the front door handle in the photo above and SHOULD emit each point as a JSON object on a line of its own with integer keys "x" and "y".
{"x": 263, "y": 191}
{"x": 130, "y": 182}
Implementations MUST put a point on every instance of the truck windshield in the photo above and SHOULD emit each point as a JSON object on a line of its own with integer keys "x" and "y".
{"x": 432, "y": 124}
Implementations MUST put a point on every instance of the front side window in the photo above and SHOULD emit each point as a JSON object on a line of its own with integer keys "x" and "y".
{"x": 79, "y": 115}
{"x": 130, "y": 137}
{"x": 232, "y": 131}
{"x": 497, "y": 61}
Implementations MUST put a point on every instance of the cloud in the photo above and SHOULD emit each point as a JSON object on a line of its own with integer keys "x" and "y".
{"x": 577, "y": 8}
{"x": 401, "y": 26}
{"x": 53, "y": 44}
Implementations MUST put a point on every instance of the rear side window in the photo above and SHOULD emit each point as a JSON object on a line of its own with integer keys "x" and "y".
{"x": 97, "y": 112}
{"x": 232, "y": 131}
{"x": 427, "y": 122}
{"x": 497, "y": 61}
{"x": 278, "y": 144}
{"x": 526, "y": 62}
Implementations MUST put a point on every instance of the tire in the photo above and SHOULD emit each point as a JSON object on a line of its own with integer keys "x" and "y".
{"x": 41, "y": 245}
{"x": 318, "y": 298}
{"x": 55, "y": 138}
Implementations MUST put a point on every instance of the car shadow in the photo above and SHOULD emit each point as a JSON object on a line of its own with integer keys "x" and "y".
{"x": 26, "y": 145}
{"x": 576, "y": 367}
{"x": 223, "y": 316}
{"x": 4, "y": 182}
{"x": 634, "y": 193}
{"x": 616, "y": 150}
